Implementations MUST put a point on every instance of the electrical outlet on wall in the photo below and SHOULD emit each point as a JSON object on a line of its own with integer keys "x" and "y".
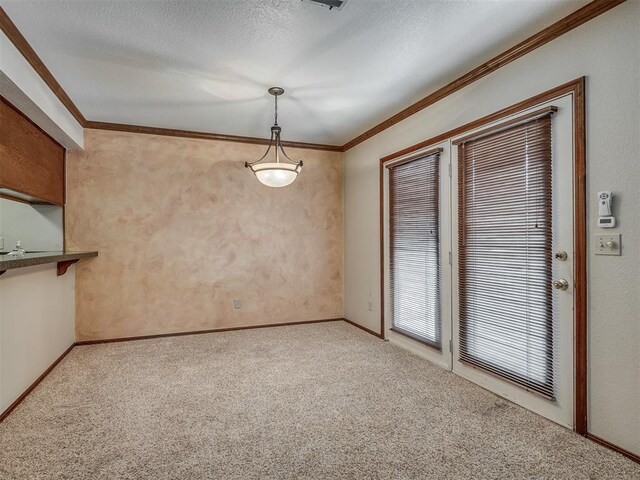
{"x": 1, "y": 243}
{"x": 370, "y": 306}
{"x": 236, "y": 303}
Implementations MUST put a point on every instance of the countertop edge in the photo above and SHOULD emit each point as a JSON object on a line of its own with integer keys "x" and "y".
{"x": 55, "y": 257}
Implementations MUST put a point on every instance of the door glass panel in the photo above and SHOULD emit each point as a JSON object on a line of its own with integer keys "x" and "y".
{"x": 414, "y": 256}
{"x": 505, "y": 251}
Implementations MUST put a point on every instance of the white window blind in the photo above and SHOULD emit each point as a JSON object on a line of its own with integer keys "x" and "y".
{"x": 414, "y": 218}
{"x": 505, "y": 251}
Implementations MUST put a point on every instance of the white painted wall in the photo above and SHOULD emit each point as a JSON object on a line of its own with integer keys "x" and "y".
{"x": 37, "y": 308}
{"x": 23, "y": 87}
{"x": 38, "y": 227}
{"x": 606, "y": 50}
{"x": 37, "y": 324}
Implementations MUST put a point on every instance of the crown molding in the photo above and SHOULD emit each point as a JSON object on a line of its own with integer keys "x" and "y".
{"x": 122, "y": 127}
{"x": 18, "y": 40}
{"x": 566, "y": 24}
{"x": 22, "y": 45}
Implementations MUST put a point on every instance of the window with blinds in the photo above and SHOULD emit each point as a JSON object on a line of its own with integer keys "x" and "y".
{"x": 414, "y": 218}
{"x": 505, "y": 251}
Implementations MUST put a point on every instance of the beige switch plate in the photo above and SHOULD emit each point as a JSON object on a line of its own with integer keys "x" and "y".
{"x": 600, "y": 244}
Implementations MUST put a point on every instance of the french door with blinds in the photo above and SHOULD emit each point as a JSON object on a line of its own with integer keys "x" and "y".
{"x": 418, "y": 276}
{"x": 415, "y": 245}
{"x": 504, "y": 293}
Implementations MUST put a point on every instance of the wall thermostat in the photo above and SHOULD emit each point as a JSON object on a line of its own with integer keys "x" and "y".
{"x": 607, "y": 222}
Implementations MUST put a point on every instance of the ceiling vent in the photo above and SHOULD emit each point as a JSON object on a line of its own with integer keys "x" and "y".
{"x": 330, "y": 4}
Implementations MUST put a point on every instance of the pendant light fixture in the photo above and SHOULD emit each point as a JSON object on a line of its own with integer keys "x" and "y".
{"x": 283, "y": 171}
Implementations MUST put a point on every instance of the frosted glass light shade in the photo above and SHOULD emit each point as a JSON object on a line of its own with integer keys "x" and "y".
{"x": 276, "y": 174}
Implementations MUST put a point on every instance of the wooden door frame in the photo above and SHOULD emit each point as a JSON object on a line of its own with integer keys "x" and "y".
{"x": 577, "y": 88}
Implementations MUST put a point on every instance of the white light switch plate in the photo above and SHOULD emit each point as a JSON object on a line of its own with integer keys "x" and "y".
{"x": 607, "y": 244}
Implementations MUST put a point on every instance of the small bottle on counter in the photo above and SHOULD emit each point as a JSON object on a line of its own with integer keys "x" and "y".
{"x": 18, "y": 251}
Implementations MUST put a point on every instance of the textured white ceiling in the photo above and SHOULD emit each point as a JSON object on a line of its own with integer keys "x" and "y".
{"x": 206, "y": 65}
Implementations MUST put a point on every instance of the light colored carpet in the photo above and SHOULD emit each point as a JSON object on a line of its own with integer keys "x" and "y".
{"x": 320, "y": 401}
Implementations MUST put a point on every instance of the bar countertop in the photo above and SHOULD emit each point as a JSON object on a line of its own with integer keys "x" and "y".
{"x": 10, "y": 262}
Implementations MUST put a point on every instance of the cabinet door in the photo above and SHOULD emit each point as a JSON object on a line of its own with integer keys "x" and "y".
{"x": 31, "y": 163}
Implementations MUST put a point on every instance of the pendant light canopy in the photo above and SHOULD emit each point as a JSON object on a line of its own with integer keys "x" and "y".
{"x": 278, "y": 173}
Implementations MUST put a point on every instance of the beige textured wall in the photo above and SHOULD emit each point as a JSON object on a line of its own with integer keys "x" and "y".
{"x": 182, "y": 228}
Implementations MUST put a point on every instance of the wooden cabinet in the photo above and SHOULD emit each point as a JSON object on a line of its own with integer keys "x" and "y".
{"x": 31, "y": 163}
